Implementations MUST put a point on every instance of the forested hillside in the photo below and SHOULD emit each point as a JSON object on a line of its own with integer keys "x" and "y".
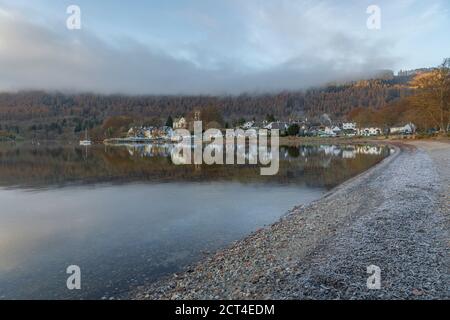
{"x": 49, "y": 115}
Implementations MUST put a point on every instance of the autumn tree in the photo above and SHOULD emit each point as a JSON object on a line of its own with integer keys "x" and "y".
{"x": 433, "y": 95}
{"x": 116, "y": 125}
{"x": 212, "y": 115}
{"x": 364, "y": 117}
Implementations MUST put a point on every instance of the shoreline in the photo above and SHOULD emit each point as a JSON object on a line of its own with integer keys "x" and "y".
{"x": 297, "y": 256}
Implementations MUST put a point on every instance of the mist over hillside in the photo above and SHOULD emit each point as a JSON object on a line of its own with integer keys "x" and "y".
{"x": 55, "y": 113}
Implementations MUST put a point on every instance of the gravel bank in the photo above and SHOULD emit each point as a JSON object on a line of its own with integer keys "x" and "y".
{"x": 394, "y": 216}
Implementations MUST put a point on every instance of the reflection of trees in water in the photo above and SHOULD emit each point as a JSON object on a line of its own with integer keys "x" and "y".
{"x": 43, "y": 166}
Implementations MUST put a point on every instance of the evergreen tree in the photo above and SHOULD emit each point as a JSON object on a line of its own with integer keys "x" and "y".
{"x": 169, "y": 122}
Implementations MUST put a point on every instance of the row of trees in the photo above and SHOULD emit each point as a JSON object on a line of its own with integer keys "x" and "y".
{"x": 336, "y": 100}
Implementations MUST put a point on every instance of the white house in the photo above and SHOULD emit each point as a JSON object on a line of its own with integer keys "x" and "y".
{"x": 277, "y": 125}
{"x": 336, "y": 130}
{"x": 396, "y": 130}
{"x": 281, "y": 126}
{"x": 409, "y": 128}
{"x": 375, "y": 131}
{"x": 248, "y": 125}
{"x": 327, "y": 132}
{"x": 349, "y": 126}
{"x": 148, "y": 133}
{"x": 369, "y": 131}
{"x": 349, "y": 129}
{"x": 180, "y": 123}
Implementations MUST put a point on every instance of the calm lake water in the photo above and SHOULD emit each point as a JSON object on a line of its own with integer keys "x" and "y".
{"x": 128, "y": 216}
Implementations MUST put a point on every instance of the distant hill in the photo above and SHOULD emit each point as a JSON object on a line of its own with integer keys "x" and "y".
{"x": 49, "y": 115}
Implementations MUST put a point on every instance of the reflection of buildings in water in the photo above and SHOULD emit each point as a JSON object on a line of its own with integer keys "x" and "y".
{"x": 350, "y": 152}
{"x": 251, "y": 155}
{"x": 340, "y": 151}
{"x": 266, "y": 156}
{"x": 331, "y": 150}
{"x": 372, "y": 150}
{"x": 305, "y": 151}
{"x": 254, "y": 153}
{"x": 149, "y": 150}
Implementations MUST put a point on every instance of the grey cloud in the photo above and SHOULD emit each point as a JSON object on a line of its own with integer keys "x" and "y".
{"x": 34, "y": 56}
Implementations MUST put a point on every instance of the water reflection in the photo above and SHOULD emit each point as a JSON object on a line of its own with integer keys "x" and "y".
{"x": 127, "y": 215}
{"x": 52, "y": 166}
{"x": 344, "y": 151}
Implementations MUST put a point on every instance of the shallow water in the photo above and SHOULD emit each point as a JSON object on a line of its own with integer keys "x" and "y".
{"x": 126, "y": 215}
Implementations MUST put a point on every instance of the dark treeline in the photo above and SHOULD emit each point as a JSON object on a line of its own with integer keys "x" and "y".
{"x": 49, "y": 115}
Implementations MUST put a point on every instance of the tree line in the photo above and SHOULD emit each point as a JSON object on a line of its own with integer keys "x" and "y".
{"x": 421, "y": 98}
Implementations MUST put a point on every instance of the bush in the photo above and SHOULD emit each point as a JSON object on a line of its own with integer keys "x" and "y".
{"x": 293, "y": 130}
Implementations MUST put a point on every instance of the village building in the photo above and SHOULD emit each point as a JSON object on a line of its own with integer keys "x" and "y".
{"x": 370, "y": 131}
{"x": 349, "y": 126}
{"x": 349, "y": 129}
{"x": 281, "y": 126}
{"x": 180, "y": 123}
{"x": 409, "y": 128}
{"x": 336, "y": 130}
{"x": 150, "y": 132}
{"x": 327, "y": 132}
{"x": 248, "y": 125}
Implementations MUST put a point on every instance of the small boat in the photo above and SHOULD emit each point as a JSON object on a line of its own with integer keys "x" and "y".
{"x": 85, "y": 142}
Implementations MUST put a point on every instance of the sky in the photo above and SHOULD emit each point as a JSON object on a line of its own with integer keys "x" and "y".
{"x": 213, "y": 47}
